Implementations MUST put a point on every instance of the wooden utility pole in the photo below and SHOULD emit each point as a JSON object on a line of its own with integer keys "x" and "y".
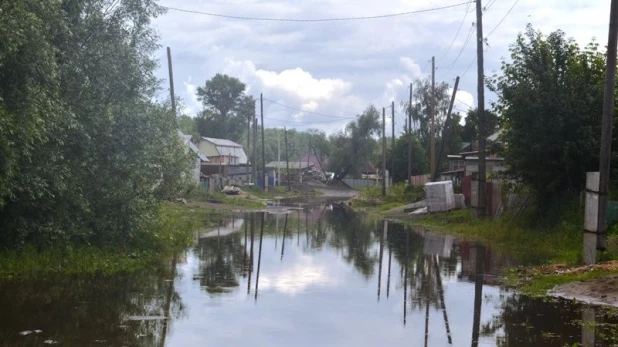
{"x": 383, "y": 152}
{"x": 248, "y": 147}
{"x": 171, "y": 73}
{"x": 607, "y": 125}
{"x": 410, "y": 136}
{"x": 445, "y": 131}
{"x": 287, "y": 158}
{"x": 255, "y": 158}
{"x": 393, "y": 133}
{"x": 432, "y": 130}
{"x": 481, "y": 109}
{"x": 264, "y": 176}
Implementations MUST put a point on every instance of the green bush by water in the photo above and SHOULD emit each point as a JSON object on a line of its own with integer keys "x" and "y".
{"x": 171, "y": 231}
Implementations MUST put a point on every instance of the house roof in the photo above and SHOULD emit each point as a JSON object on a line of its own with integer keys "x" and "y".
{"x": 495, "y": 136}
{"x": 294, "y": 165}
{"x": 228, "y": 148}
{"x": 186, "y": 139}
{"x": 370, "y": 167}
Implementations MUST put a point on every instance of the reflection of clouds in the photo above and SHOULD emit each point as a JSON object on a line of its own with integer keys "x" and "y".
{"x": 298, "y": 278}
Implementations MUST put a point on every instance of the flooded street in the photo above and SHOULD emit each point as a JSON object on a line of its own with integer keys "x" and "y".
{"x": 317, "y": 276}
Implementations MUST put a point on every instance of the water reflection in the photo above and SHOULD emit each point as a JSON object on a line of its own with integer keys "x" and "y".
{"x": 321, "y": 275}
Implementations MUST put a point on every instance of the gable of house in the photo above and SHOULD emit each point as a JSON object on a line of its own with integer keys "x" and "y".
{"x": 214, "y": 147}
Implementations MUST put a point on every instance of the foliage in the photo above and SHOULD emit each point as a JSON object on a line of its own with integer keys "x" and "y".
{"x": 469, "y": 133}
{"x": 351, "y": 149}
{"x": 84, "y": 152}
{"x": 551, "y": 122}
{"x": 419, "y": 158}
{"x": 226, "y": 108}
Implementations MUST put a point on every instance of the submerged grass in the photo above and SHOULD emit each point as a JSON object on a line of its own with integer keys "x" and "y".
{"x": 172, "y": 231}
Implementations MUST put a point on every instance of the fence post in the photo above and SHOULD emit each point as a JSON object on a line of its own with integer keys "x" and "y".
{"x": 591, "y": 218}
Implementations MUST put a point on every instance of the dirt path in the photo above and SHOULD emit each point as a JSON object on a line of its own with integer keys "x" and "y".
{"x": 598, "y": 291}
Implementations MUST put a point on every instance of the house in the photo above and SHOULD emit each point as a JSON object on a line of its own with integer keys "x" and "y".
{"x": 222, "y": 151}
{"x": 199, "y": 158}
{"x": 370, "y": 171}
{"x": 227, "y": 158}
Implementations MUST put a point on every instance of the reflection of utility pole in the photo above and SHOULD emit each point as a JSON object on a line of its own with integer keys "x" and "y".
{"x": 285, "y": 229}
{"x": 478, "y": 293}
{"x": 405, "y": 278}
{"x": 381, "y": 256}
{"x": 388, "y": 277}
{"x": 244, "y": 254}
{"x": 168, "y": 300}
{"x": 441, "y": 296}
{"x": 257, "y": 276}
{"x": 298, "y": 229}
{"x": 252, "y": 228}
{"x": 588, "y": 326}
{"x": 426, "y": 283}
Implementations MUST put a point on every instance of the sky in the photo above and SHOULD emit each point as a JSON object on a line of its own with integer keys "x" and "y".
{"x": 332, "y": 70}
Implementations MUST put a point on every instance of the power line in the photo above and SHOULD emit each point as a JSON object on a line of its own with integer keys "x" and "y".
{"x": 308, "y": 112}
{"x": 288, "y": 121}
{"x": 503, "y": 18}
{"x": 491, "y": 3}
{"x": 468, "y": 68}
{"x": 450, "y": 67}
{"x": 457, "y": 34}
{"x": 315, "y": 19}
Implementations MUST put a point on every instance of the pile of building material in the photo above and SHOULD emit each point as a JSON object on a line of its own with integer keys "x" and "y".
{"x": 440, "y": 196}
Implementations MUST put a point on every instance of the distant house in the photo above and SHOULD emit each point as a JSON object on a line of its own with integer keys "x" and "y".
{"x": 298, "y": 170}
{"x": 370, "y": 171}
{"x": 222, "y": 151}
{"x": 227, "y": 158}
{"x": 199, "y": 156}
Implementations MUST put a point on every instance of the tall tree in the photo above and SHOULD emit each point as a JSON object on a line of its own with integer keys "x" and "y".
{"x": 352, "y": 149}
{"x": 550, "y": 98}
{"x": 226, "y": 108}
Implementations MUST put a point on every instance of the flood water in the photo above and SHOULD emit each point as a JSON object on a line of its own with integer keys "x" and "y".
{"x": 317, "y": 276}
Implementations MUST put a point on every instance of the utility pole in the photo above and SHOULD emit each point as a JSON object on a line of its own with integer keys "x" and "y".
{"x": 393, "y": 133}
{"x": 278, "y": 158}
{"x": 383, "y": 152}
{"x": 607, "y": 125}
{"x": 255, "y": 158}
{"x": 287, "y": 159}
{"x": 481, "y": 109}
{"x": 432, "y": 130}
{"x": 171, "y": 72}
{"x": 445, "y": 131}
{"x": 248, "y": 147}
{"x": 410, "y": 136}
{"x": 265, "y": 177}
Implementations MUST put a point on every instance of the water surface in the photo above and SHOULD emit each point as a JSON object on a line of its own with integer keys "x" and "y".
{"x": 318, "y": 276}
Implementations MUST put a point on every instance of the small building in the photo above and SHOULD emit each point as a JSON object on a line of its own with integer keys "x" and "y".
{"x": 227, "y": 159}
{"x": 199, "y": 158}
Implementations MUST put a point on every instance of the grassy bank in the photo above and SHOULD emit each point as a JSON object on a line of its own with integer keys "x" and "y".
{"x": 172, "y": 230}
{"x": 399, "y": 194}
{"x": 538, "y": 240}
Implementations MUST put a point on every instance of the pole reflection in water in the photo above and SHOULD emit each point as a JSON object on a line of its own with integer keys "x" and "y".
{"x": 405, "y": 277}
{"x": 168, "y": 301}
{"x": 588, "y": 327}
{"x": 388, "y": 277}
{"x": 478, "y": 292}
{"x": 285, "y": 228}
{"x": 298, "y": 229}
{"x": 257, "y": 276}
{"x": 244, "y": 254}
{"x": 427, "y": 281}
{"x": 441, "y": 296}
{"x": 381, "y": 256}
{"x": 252, "y": 228}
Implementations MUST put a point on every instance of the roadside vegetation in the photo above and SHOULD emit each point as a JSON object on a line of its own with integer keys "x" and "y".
{"x": 397, "y": 195}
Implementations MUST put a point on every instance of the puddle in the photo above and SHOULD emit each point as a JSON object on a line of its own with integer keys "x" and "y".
{"x": 317, "y": 275}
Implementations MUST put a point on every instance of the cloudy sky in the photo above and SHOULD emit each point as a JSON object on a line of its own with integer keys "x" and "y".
{"x": 335, "y": 69}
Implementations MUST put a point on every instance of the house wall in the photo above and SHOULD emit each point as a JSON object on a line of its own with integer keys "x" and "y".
{"x": 197, "y": 166}
{"x": 208, "y": 148}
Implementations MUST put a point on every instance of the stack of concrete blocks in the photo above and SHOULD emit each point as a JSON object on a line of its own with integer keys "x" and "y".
{"x": 440, "y": 196}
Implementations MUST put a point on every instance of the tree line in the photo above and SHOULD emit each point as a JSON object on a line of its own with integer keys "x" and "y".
{"x": 85, "y": 154}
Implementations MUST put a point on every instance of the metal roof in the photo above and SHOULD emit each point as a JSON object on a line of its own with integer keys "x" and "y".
{"x": 186, "y": 139}
{"x": 294, "y": 165}
{"x": 221, "y": 142}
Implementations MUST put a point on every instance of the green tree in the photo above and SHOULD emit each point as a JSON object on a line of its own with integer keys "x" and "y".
{"x": 550, "y": 98}
{"x": 469, "y": 133}
{"x": 226, "y": 108}
{"x": 419, "y": 158}
{"x": 352, "y": 149}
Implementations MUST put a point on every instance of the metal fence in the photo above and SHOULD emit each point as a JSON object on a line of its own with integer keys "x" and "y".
{"x": 361, "y": 182}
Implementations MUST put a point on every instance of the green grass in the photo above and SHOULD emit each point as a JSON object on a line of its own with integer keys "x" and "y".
{"x": 538, "y": 283}
{"x": 220, "y": 198}
{"x": 397, "y": 195}
{"x": 172, "y": 231}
